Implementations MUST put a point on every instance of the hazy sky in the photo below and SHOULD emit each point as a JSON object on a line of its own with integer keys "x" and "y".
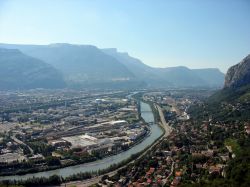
{"x": 193, "y": 33}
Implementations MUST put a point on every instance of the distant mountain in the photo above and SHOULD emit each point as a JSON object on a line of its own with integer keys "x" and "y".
{"x": 89, "y": 66}
{"x": 80, "y": 64}
{"x": 141, "y": 71}
{"x": 213, "y": 76}
{"x": 169, "y": 77}
{"x": 239, "y": 74}
{"x": 19, "y": 71}
{"x": 181, "y": 77}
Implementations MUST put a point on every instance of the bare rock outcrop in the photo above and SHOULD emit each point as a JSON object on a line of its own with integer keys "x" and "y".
{"x": 239, "y": 74}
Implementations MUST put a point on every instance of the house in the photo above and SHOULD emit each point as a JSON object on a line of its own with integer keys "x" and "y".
{"x": 247, "y": 128}
{"x": 151, "y": 171}
{"x": 178, "y": 173}
{"x": 109, "y": 182}
{"x": 215, "y": 169}
{"x": 175, "y": 182}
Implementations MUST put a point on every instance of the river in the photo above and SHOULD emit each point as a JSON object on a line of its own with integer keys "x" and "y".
{"x": 156, "y": 132}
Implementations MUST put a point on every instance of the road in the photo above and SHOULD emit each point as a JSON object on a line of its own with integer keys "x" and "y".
{"x": 22, "y": 143}
{"x": 164, "y": 124}
{"x": 94, "y": 180}
{"x": 172, "y": 169}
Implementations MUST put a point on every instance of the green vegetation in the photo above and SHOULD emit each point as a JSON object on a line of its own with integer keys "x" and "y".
{"x": 229, "y": 109}
{"x": 229, "y": 95}
{"x": 224, "y": 105}
{"x": 234, "y": 145}
{"x": 41, "y": 147}
{"x": 237, "y": 171}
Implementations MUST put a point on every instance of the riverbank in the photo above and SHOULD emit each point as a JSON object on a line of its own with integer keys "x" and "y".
{"x": 90, "y": 160}
{"x": 99, "y": 165}
{"x": 167, "y": 130}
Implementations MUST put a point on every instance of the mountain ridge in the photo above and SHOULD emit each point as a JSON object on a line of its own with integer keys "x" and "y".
{"x": 237, "y": 84}
{"x": 89, "y": 66}
{"x": 163, "y": 76}
{"x": 239, "y": 74}
{"x": 20, "y": 71}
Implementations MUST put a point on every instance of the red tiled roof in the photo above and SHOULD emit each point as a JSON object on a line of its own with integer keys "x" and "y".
{"x": 149, "y": 181}
{"x": 178, "y": 173}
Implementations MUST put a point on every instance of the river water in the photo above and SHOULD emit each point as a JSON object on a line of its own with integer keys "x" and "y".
{"x": 156, "y": 132}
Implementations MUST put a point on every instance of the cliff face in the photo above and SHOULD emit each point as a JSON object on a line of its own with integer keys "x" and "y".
{"x": 239, "y": 74}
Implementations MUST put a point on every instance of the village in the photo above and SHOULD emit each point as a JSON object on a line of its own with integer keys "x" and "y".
{"x": 192, "y": 152}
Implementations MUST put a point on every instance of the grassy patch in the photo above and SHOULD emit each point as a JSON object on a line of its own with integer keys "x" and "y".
{"x": 234, "y": 145}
